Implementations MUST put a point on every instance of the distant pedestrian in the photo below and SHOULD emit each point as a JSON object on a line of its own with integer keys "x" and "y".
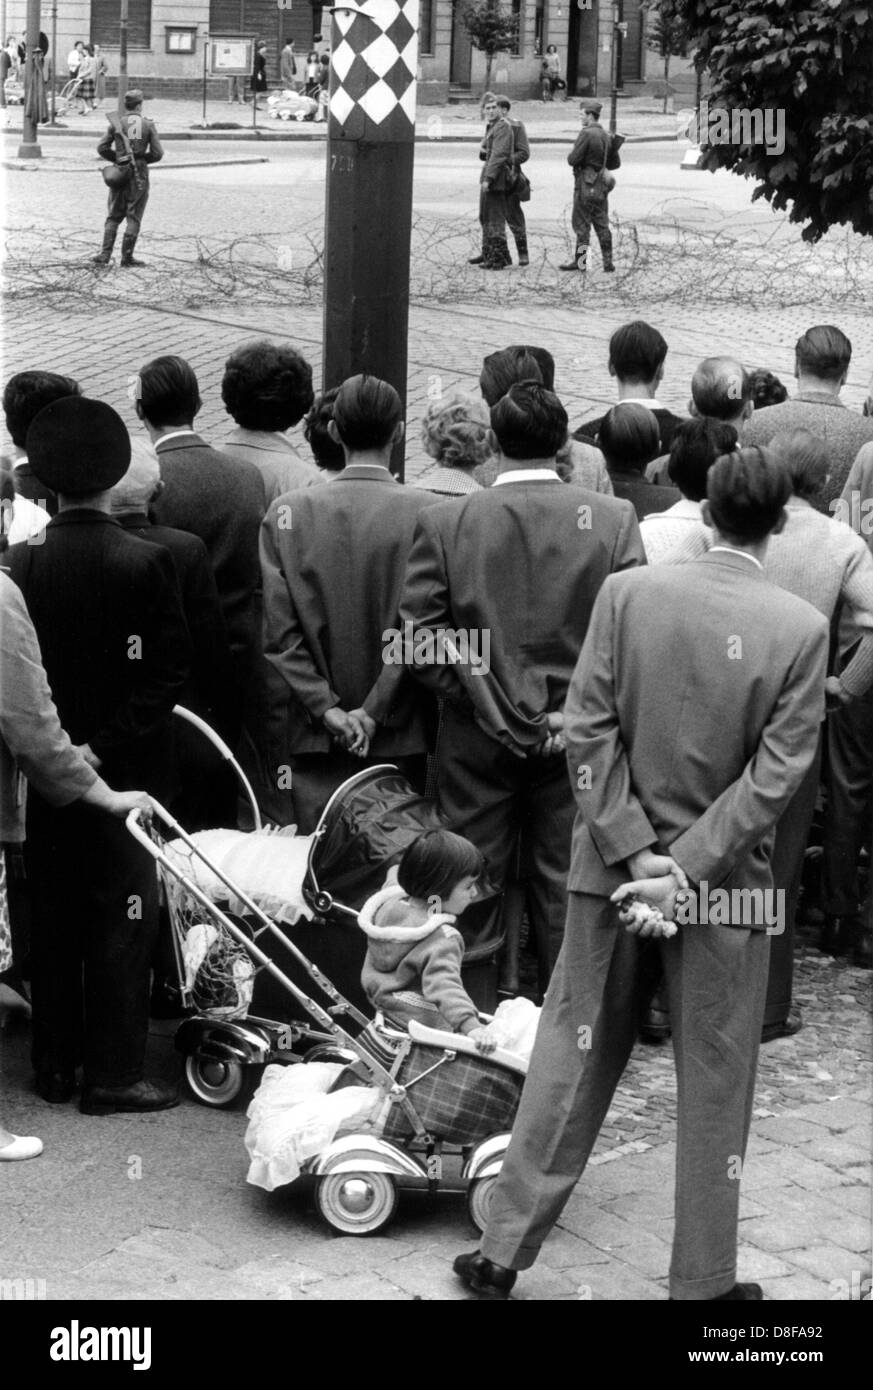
{"x": 288, "y": 67}
{"x": 259, "y": 72}
{"x": 551, "y": 73}
{"x": 587, "y": 159}
{"x": 131, "y": 140}
{"x": 88, "y": 78}
{"x": 496, "y": 154}
{"x": 74, "y": 58}
{"x": 101, "y": 73}
{"x": 313, "y": 74}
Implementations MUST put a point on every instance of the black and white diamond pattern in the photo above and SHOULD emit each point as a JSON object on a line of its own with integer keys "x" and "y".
{"x": 374, "y": 63}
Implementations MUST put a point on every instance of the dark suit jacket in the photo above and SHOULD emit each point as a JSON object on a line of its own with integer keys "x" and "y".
{"x": 667, "y": 421}
{"x": 333, "y": 559}
{"x": 645, "y": 497}
{"x": 690, "y": 724}
{"x": 209, "y": 688}
{"x": 114, "y": 642}
{"x": 518, "y": 566}
{"x": 221, "y": 500}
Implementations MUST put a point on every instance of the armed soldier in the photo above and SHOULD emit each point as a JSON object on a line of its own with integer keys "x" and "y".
{"x": 587, "y": 159}
{"x": 132, "y": 141}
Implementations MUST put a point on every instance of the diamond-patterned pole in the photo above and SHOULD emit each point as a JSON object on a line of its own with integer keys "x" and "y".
{"x": 368, "y": 213}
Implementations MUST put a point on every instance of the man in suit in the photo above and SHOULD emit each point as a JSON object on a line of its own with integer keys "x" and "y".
{"x": 587, "y": 159}
{"x": 207, "y": 794}
{"x": 333, "y": 560}
{"x": 513, "y": 570}
{"x": 26, "y": 394}
{"x": 637, "y": 353}
{"x": 821, "y": 365}
{"x": 722, "y": 390}
{"x": 116, "y": 652}
{"x": 221, "y": 500}
{"x": 689, "y": 726}
{"x": 138, "y": 147}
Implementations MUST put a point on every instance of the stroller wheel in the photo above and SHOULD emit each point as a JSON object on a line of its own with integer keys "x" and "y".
{"x": 479, "y": 1201}
{"x": 221, "y": 1082}
{"x": 357, "y": 1204}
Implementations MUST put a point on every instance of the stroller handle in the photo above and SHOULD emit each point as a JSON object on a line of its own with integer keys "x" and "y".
{"x": 219, "y": 744}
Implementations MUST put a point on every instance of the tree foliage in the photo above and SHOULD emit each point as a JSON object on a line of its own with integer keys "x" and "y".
{"x": 666, "y": 34}
{"x": 492, "y": 30}
{"x": 811, "y": 60}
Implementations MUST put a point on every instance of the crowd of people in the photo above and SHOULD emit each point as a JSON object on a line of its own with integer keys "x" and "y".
{"x": 662, "y": 604}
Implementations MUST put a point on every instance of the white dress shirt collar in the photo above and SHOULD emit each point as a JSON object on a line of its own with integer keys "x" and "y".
{"x": 527, "y": 475}
{"x": 732, "y": 550}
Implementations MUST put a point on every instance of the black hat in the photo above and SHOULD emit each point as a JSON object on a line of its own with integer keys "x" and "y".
{"x": 76, "y": 446}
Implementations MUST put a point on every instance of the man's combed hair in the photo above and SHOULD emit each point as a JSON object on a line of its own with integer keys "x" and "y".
{"x": 267, "y": 386}
{"x": 629, "y": 437}
{"x": 168, "y": 392}
{"x": 721, "y": 387}
{"x": 825, "y": 351}
{"x": 435, "y": 863}
{"x": 366, "y": 412}
{"x": 27, "y": 393}
{"x": 529, "y": 422}
{"x": 806, "y": 458}
{"x": 637, "y": 351}
{"x": 747, "y": 491}
{"x": 694, "y": 448}
{"x": 505, "y": 368}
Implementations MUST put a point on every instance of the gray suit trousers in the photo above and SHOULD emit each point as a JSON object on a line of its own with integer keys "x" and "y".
{"x": 716, "y": 981}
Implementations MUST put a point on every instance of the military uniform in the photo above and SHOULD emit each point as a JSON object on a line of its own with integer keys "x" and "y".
{"x": 496, "y": 152}
{"x": 590, "y": 198}
{"x": 130, "y": 200}
{"x": 514, "y": 211}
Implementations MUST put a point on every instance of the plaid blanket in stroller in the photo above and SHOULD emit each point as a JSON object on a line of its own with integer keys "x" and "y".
{"x": 462, "y": 1100}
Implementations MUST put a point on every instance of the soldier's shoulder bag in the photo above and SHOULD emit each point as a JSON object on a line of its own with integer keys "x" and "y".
{"x": 613, "y": 145}
{"x": 119, "y": 175}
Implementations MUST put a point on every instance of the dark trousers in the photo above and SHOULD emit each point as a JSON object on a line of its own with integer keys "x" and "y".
{"x": 716, "y": 978}
{"x": 495, "y": 798}
{"x": 849, "y": 813}
{"x": 129, "y": 202}
{"x": 492, "y": 215}
{"x": 515, "y": 221}
{"x": 316, "y": 776}
{"x": 789, "y": 849}
{"x": 95, "y": 918}
{"x": 591, "y": 209}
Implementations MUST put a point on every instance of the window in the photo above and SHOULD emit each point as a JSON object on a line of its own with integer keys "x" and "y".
{"x": 539, "y": 29}
{"x": 105, "y": 23}
{"x": 425, "y": 27}
{"x": 519, "y": 20}
{"x": 181, "y": 40}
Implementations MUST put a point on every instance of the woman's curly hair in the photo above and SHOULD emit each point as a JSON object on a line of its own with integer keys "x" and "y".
{"x": 455, "y": 429}
{"x": 267, "y": 386}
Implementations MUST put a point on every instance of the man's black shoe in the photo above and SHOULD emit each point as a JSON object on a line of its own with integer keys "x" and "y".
{"x": 783, "y": 1028}
{"x": 56, "y": 1087}
{"x": 475, "y": 260}
{"x": 141, "y": 1096}
{"x": 862, "y": 956}
{"x": 655, "y": 1027}
{"x": 483, "y": 1276}
{"x": 740, "y": 1291}
{"x": 840, "y": 934}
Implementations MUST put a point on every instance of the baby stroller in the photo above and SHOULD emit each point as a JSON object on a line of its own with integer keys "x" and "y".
{"x": 447, "y": 1110}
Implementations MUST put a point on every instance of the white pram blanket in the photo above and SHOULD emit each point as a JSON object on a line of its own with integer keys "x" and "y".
{"x": 269, "y": 865}
{"x": 292, "y": 1118}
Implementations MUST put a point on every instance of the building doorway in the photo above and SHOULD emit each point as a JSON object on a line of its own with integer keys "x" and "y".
{"x": 461, "y": 63}
{"x": 582, "y": 52}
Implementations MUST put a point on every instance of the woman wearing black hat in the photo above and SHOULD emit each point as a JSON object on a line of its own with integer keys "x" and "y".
{"x": 259, "y": 71}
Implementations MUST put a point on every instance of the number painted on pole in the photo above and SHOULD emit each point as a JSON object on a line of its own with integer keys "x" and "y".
{"x": 342, "y": 163}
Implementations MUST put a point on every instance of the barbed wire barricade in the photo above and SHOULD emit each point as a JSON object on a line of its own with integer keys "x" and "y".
{"x": 682, "y": 252}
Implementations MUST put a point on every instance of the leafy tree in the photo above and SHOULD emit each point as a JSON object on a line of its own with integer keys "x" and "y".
{"x": 667, "y": 35}
{"x": 809, "y": 63}
{"x": 492, "y": 30}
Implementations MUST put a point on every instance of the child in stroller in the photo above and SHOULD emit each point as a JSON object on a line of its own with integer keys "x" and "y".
{"x": 412, "y": 968}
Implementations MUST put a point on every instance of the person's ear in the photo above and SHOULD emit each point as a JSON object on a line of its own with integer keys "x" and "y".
{"x": 692, "y": 409}
{"x": 159, "y": 487}
{"x": 493, "y": 446}
{"x": 137, "y": 405}
{"x": 611, "y": 367}
{"x": 334, "y": 432}
{"x": 748, "y": 410}
{"x": 399, "y": 432}
{"x": 780, "y": 524}
{"x": 706, "y": 512}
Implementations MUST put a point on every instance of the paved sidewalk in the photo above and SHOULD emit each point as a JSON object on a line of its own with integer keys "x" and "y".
{"x": 638, "y": 118}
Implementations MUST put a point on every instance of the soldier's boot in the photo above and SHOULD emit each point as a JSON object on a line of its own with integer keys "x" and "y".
{"x": 128, "y": 242}
{"x": 104, "y": 255}
{"x": 579, "y": 261}
{"x": 606, "y": 253}
{"x": 521, "y": 248}
{"x": 497, "y": 256}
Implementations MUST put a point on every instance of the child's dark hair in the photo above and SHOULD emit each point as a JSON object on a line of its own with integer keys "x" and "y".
{"x": 434, "y": 864}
